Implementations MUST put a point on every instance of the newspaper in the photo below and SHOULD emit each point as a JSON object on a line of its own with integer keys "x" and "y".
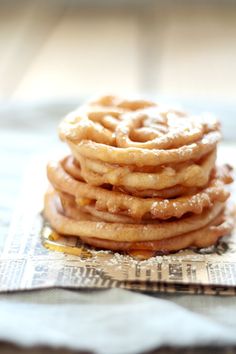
{"x": 33, "y": 258}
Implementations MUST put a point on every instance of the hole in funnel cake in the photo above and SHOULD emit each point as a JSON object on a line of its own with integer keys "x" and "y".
{"x": 141, "y": 179}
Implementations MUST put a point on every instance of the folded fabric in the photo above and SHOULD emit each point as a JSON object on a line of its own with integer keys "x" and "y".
{"x": 115, "y": 321}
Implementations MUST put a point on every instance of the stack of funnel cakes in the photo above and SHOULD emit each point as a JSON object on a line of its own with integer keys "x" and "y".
{"x": 140, "y": 177}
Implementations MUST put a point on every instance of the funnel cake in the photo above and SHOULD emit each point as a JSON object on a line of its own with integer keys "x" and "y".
{"x": 140, "y": 177}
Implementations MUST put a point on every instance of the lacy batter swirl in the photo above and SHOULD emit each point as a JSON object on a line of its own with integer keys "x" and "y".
{"x": 140, "y": 177}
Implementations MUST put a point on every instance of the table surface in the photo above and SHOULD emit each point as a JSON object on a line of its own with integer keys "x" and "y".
{"x": 110, "y": 321}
